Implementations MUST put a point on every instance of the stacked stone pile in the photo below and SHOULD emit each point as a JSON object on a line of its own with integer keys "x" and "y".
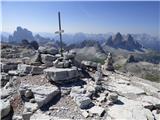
{"x": 109, "y": 63}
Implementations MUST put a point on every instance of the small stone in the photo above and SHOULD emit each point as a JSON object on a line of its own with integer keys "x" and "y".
{"x": 97, "y": 110}
{"x": 83, "y": 101}
{"x": 30, "y": 107}
{"x": 85, "y": 113}
{"x": 17, "y": 117}
{"x": 102, "y": 98}
{"x": 29, "y": 93}
{"x": 113, "y": 97}
{"x": 53, "y": 108}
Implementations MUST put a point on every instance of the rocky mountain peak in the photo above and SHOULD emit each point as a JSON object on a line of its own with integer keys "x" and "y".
{"x": 128, "y": 42}
{"x": 20, "y": 34}
{"x": 118, "y": 37}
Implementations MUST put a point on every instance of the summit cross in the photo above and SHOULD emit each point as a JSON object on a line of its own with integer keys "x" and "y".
{"x": 60, "y": 33}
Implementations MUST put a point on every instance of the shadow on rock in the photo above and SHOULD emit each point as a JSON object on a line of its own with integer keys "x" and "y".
{"x": 52, "y": 102}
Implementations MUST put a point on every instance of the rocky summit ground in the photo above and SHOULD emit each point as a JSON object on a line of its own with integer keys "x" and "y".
{"x": 138, "y": 99}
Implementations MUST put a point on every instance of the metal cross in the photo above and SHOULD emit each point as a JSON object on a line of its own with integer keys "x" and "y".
{"x": 60, "y": 33}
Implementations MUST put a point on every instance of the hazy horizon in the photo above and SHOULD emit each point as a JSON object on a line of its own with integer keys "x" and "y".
{"x": 87, "y": 17}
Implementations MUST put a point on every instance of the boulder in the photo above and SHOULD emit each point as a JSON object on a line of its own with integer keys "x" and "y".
{"x": 24, "y": 69}
{"x": 28, "y": 69}
{"x": 102, "y": 98}
{"x": 13, "y": 72}
{"x": 89, "y": 64}
{"x": 36, "y": 59}
{"x": 48, "y": 59}
{"x": 5, "y": 108}
{"x": 150, "y": 101}
{"x": 61, "y": 75}
{"x": 82, "y": 101}
{"x": 44, "y": 94}
{"x": 17, "y": 117}
{"x": 28, "y": 93}
{"x": 25, "y": 60}
{"x": 31, "y": 107}
{"x": 97, "y": 110}
{"x": 77, "y": 90}
{"x": 85, "y": 113}
{"x": 4, "y": 78}
{"x": 113, "y": 97}
{"x": 48, "y": 50}
{"x": 156, "y": 114}
{"x": 69, "y": 55}
{"x": 26, "y": 115}
{"x": 4, "y": 93}
{"x": 129, "y": 110}
{"x": 36, "y": 70}
{"x": 5, "y": 67}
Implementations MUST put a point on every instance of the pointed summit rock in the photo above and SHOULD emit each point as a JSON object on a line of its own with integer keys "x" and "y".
{"x": 119, "y": 41}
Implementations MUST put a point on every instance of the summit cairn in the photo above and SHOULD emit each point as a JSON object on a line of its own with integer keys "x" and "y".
{"x": 98, "y": 75}
{"x": 63, "y": 71}
{"x": 109, "y": 63}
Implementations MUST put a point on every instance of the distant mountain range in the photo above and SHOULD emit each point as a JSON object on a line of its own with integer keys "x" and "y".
{"x": 129, "y": 42}
{"x": 124, "y": 42}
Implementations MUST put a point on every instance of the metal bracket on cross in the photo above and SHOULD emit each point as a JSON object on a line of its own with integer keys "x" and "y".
{"x": 58, "y": 32}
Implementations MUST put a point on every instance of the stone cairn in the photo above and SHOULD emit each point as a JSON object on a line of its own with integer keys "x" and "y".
{"x": 63, "y": 69}
{"x": 66, "y": 61}
{"x": 98, "y": 75}
{"x": 109, "y": 63}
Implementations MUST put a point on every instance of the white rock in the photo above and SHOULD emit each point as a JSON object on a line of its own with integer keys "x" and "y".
{"x": 125, "y": 89}
{"x": 48, "y": 50}
{"x": 28, "y": 69}
{"x": 129, "y": 110}
{"x": 61, "y": 75}
{"x": 113, "y": 97}
{"x": 85, "y": 113}
{"x": 23, "y": 68}
{"x": 31, "y": 107}
{"x": 97, "y": 110}
{"x": 102, "y": 97}
{"x": 152, "y": 101}
{"x": 13, "y": 72}
{"x": 43, "y": 94}
{"x": 17, "y": 117}
{"x": 36, "y": 70}
{"x": 4, "y": 93}
{"x": 48, "y": 59}
{"x": 5, "y": 108}
{"x": 156, "y": 115}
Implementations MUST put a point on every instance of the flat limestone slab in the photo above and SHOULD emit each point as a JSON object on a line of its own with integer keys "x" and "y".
{"x": 44, "y": 94}
{"x": 129, "y": 110}
{"x": 60, "y": 75}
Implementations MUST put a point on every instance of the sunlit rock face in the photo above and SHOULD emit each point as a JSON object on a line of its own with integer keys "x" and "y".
{"x": 21, "y": 34}
{"x": 124, "y": 42}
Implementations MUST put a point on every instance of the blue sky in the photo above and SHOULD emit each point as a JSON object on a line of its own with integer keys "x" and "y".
{"x": 88, "y": 17}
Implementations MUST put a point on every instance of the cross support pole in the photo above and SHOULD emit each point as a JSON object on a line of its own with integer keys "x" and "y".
{"x": 60, "y": 33}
